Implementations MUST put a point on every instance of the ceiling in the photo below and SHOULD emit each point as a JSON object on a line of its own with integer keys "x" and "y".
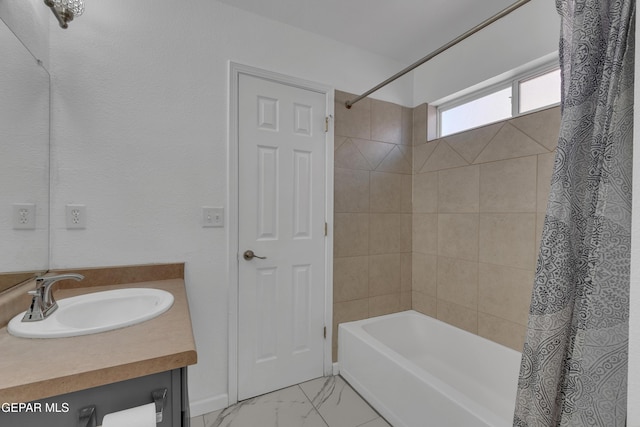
{"x": 404, "y": 30}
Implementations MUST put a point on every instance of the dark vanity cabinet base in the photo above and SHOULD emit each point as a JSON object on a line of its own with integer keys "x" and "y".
{"x": 64, "y": 410}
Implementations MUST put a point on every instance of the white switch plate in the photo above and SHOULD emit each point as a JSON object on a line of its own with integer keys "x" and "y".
{"x": 212, "y": 217}
{"x": 24, "y": 216}
{"x": 76, "y": 216}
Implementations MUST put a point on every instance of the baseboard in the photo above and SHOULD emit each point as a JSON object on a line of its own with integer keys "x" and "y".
{"x": 204, "y": 406}
{"x": 336, "y": 368}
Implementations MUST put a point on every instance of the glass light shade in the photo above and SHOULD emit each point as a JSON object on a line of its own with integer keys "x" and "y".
{"x": 74, "y": 6}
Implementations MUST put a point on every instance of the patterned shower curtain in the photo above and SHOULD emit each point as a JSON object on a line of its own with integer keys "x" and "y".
{"x": 574, "y": 362}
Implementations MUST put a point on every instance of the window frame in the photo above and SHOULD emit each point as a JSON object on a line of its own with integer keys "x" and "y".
{"x": 513, "y": 82}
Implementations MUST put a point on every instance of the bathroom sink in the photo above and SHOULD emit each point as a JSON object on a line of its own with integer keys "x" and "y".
{"x": 95, "y": 312}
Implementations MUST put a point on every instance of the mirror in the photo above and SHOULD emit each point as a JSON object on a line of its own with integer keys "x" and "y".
{"x": 24, "y": 162}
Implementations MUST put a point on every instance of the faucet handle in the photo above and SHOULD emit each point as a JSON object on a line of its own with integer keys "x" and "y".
{"x": 34, "y": 313}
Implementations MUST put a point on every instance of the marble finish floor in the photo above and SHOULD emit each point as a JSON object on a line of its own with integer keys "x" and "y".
{"x": 323, "y": 402}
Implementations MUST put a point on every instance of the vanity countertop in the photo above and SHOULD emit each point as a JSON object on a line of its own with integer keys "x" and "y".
{"x": 32, "y": 369}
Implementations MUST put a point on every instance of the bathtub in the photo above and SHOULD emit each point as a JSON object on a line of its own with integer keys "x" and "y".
{"x": 417, "y": 371}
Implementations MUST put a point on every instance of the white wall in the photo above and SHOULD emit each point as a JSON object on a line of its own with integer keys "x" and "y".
{"x": 140, "y": 99}
{"x": 29, "y": 20}
{"x": 525, "y": 35}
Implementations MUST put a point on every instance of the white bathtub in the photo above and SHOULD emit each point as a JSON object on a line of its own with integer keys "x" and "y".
{"x": 420, "y": 372}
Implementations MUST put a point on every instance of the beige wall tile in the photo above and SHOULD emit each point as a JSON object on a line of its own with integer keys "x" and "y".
{"x": 459, "y": 190}
{"x": 458, "y": 282}
{"x": 405, "y": 301}
{"x": 425, "y": 304}
{"x": 373, "y": 151}
{"x": 432, "y": 122}
{"x": 407, "y": 152}
{"x": 347, "y": 311}
{"x": 501, "y": 331}
{"x": 407, "y": 126}
{"x": 351, "y": 234}
{"x": 384, "y": 274}
{"x": 386, "y": 192}
{"x": 458, "y": 316}
{"x": 406, "y": 232}
{"x": 425, "y": 192}
{"x": 424, "y": 274}
{"x": 509, "y": 143}
{"x": 509, "y": 185}
{"x": 543, "y": 126}
{"x": 425, "y": 233}
{"x": 545, "y": 170}
{"x": 505, "y": 292}
{"x": 406, "y": 272}
{"x": 385, "y": 233}
{"x": 356, "y": 122}
{"x": 406, "y": 194}
{"x": 348, "y": 156}
{"x": 351, "y": 190}
{"x": 384, "y": 304}
{"x": 470, "y": 144}
{"x": 386, "y": 121}
{"x": 350, "y": 278}
{"x": 419, "y": 133}
{"x": 508, "y": 239}
{"x": 421, "y": 153}
{"x": 396, "y": 162}
{"x": 458, "y": 236}
{"x": 443, "y": 157}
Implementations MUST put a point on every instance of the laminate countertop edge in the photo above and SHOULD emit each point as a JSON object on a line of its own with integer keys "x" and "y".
{"x": 33, "y": 369}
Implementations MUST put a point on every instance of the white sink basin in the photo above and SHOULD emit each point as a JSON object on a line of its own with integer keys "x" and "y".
{"x": 95, "y": 312}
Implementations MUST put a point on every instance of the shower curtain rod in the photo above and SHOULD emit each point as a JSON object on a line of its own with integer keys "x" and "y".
{"x": 438, "y": 51}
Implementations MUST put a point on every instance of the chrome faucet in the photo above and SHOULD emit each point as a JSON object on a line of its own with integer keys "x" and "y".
{"x": 43, "y": 303}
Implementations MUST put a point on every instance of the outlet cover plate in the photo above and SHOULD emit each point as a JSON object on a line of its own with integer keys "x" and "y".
{"x": 76, "y": 216}
{"x": 24, "y": 216}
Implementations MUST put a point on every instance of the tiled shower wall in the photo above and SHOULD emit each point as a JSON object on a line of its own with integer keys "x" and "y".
{"x": 448, "y": 227}
{"x": 479, "y": 199}
{"x": 372, "y": 196}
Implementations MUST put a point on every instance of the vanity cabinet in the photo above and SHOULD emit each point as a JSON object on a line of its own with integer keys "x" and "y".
{"x": 63, "y": 410}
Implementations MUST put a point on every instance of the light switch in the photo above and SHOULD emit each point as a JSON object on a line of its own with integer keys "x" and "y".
{"x": 212, "y": 217}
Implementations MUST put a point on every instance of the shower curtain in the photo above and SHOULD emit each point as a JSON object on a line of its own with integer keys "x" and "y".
{"x": 574, "y": 362}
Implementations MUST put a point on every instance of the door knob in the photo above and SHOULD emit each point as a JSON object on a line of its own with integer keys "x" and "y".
{"x": 249, "y": 255}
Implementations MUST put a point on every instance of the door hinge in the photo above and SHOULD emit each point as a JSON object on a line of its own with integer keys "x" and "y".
{"x": 326, "y": 124}
{"x": 326, "y": 229}
{"x": 325, "y": 333}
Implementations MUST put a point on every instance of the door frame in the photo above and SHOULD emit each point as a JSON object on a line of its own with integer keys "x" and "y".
{"x": 233, "y": 209}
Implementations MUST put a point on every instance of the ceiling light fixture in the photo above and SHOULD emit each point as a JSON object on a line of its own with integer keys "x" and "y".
{"x": 65, "y": 10}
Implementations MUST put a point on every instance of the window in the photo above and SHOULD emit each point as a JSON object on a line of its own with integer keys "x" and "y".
{"x": 490, "y": 108}
{"x": 539, "y": 91}
{"x": 522, "y": 94}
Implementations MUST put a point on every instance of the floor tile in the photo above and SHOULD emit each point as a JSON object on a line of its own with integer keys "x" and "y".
{"x": 211, "y": 417}
{"x": 338, "y": 403}
{"x": 197, "y": 421}
{"x": 283, "y": 408}
{"x": 378, "y": 422}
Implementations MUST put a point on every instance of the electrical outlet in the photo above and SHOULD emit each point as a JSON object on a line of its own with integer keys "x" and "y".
{"x": 212, "y": 217}
{"x": 76, "y": 216}
{"x": 24, "y": 216}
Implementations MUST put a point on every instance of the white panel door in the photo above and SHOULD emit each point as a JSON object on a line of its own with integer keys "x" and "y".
{"x": 281, "y": 170}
